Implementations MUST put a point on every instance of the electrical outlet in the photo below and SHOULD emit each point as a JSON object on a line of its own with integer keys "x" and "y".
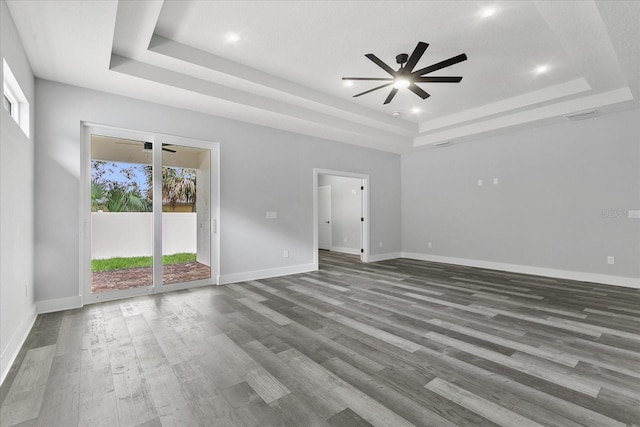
{"x": 286, "y": 254}
{"x": 611, "y": 260}
{"x": 345, "y": 240}
{"x": 429, "y": 245}
{"x": 479, "y": 183}
{"x": 380, "y": 244}
{"x": 634, "y": 214}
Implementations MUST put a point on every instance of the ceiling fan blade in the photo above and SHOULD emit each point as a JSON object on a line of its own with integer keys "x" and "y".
{"x": 381, "y": 64}
{"x": 437, "y": 79}
{"x": 128, "y": 143}
{"x": 371, "y": 90}
{"x": 368, "y": 78}
{"x": 169, "y": 150}
{"x": 421, "y": 93}
{"x": 415, "y": 56}
{"x": 440, "y": 65}
{"x": 391, "y": 95}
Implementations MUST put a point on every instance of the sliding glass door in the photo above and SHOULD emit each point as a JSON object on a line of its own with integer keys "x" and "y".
{"x": 150, "y": 210}
{"x": 186, "y": 214}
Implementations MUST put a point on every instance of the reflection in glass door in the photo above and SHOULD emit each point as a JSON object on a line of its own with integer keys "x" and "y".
{"x": 186, "y": 214}
{"x": 121, "y": 222}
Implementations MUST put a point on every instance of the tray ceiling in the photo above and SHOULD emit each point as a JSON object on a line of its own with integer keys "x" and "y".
{"x": 285, "y": 68}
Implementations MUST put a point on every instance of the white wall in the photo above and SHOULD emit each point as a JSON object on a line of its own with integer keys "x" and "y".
{"x": 261, "y": 170}
{"x": 129, "y": 234}
{"x": 346, "y": 211}
{"x": 17, "y": 307}
{"x": 560, "y": 204}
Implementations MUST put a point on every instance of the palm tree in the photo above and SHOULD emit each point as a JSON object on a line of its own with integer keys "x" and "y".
{"x": 178, "y": 186}
{"x": 117, "y": 199}
{"x": 97, "y": 196}
{"x": 115, "y": 189}
{"x": 125, "y": 200}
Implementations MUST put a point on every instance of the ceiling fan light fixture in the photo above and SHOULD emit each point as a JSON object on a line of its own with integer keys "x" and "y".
{"x": 401, "y": 83}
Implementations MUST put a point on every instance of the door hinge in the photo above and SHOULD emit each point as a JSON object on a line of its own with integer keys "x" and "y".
{"x": 362, "y": 187}
{"x": 361, "y": 251}
{"x": 361, "y": 219}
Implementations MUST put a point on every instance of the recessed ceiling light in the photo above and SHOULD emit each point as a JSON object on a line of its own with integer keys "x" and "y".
{"x": 488, "y": 11}
{"x": 415, "y": 110}
{"x": 542, "y": 69}
{"x": 232, "y": 37}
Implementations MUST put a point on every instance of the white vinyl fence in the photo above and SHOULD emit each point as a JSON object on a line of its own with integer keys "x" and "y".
{"x": 128, "y": 234}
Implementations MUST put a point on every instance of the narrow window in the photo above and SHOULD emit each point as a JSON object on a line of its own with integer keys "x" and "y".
{"x": 13, "y": 99}
{"x": 6, "y": 103}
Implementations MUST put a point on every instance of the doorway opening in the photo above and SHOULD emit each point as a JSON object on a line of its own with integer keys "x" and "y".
{"x": 150, "y": 208}
{"x": 341, "y": 213}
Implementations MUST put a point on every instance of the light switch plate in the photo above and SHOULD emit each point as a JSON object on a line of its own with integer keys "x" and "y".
{"x": 611, "y": 260}
{"x": 634, "y": 213}
{"x": 272, "y": 215}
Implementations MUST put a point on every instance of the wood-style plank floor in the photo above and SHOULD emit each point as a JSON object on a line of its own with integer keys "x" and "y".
{"x": 394, "y": 343}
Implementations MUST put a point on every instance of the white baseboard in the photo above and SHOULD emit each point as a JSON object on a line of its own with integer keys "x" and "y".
{"x": 628, "y": 282}
{"x": 345, "y": 250}
{"x": 59, "y": 304}
{"x": 264, "y": 274}
{"x": 10, "y": 352}
{"x": 384, "y": 257}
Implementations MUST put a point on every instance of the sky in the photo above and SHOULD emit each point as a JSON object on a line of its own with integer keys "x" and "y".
{"x": 114, "y": 172}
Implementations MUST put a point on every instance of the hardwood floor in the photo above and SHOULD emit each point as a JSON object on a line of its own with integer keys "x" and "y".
{"x": 394, "y": 343}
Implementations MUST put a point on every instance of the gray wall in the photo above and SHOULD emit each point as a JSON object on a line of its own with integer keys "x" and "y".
{"x": 561, "y": 201}
{"x": 261, "y": 170}
{"x": 17, "y": 307}
{"x": 346, "y": 211}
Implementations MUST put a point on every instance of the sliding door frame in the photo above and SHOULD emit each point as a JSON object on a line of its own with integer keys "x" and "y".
{"x": 85, "y": 274}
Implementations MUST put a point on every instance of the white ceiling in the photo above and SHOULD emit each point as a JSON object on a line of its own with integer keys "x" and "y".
{"x": 285, "y": 71}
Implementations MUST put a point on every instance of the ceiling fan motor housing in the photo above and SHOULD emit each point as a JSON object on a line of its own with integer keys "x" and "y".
{"x": 402, "y": 58}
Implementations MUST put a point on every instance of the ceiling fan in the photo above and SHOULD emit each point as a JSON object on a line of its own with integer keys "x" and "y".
{"x": 405, "y": 77}
{"x": 149, "y": 147}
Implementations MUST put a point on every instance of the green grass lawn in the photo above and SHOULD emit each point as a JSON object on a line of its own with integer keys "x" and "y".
{"x": 139, "y": 261}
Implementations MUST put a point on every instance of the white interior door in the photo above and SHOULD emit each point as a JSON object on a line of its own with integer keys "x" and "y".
{"x": 324, "y": 217}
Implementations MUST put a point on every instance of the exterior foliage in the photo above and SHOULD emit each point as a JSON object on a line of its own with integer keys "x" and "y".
{"x": 121, "y": 187}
